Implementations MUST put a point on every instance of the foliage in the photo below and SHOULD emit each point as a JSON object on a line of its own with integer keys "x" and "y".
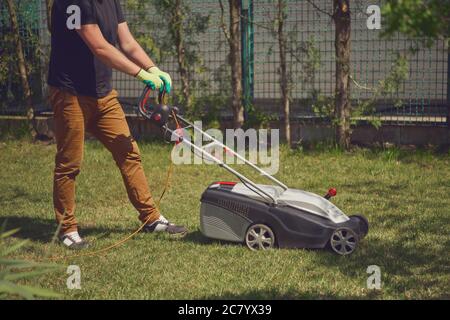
{"x": 143, "y": 27}
{"x": 429, "y": 19}
{"x": 12, "y": 270}
{"x": 160, "y": 39}
{"x": 387, "y": 87}
{"x": 207, "y": 109}
{"x": 11, "y": 92}
{"x": 192, "y": 24}
{"x": 257, "y": 118}
{"x": 322, "y": 105}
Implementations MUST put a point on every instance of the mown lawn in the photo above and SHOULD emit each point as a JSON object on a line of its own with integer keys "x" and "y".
{"x": 405, "y": 196}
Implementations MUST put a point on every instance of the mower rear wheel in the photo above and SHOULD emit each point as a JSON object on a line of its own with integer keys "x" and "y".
{"x": 259, "y": 237}
{"x": 364, "y": 224}
{"x": 343, "y": 241}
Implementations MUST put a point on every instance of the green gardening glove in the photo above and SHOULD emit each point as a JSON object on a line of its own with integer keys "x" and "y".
{"x": 151, "y": 80}
{"x": 164, "y": 76}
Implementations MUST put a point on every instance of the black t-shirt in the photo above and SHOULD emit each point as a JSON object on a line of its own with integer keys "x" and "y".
{"x": 72, "y": 65}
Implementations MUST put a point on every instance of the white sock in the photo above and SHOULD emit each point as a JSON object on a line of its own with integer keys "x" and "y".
{"x": 75, "y": 236}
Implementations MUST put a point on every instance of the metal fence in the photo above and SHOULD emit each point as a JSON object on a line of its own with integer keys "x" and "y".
{"x": 419, "y": 98}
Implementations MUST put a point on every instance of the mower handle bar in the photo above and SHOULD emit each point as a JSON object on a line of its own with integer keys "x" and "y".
{"x": 147, "y": 115}
{"x": 220, "y": 163}
{"x": 235, "y": 154}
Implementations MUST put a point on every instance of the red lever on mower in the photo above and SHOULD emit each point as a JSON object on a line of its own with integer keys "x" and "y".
{"x": 331, "y": 193}
{"x": 157, "y": 117}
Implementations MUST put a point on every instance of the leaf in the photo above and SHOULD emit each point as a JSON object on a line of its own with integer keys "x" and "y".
{"x": 11, "y": 270}
{"x": 17, "y": 263}
{"x": 9, "y": 233}
{"x": 13, "y": 248}
{"x": 26, "y": 292}
{"x": 12, "y": 288}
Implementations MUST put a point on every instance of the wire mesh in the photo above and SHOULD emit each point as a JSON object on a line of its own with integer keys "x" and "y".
{"x": 420, "y": 98}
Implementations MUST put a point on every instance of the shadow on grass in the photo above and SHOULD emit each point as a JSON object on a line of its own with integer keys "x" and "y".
{"x": 198, "y": 238}
{"x": 42, "y": 230}
{"x": 407, "y": 264}
{"x": 290, "y": 294}
{"x": 404, "y": 265}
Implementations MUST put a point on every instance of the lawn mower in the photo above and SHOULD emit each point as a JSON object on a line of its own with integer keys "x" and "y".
{"x": 261, "y": 216}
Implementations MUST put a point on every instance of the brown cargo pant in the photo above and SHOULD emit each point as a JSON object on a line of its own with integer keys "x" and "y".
{"x": 105, "y": 119}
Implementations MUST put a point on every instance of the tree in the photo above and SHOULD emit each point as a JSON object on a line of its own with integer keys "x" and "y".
{"x": 341, "y": 17}
{"x": 342, "y": 43}
{"x": 233, "y": 37}
{"x": 175, "y": 13}
{"x": 183, "y": 26}
{"x": 177, "y": 38}
{"x": 429, "y": 19}
{"x": 48, "y": 10}
{"x": 284, "y": 76}
{"x": 21, "y": 64}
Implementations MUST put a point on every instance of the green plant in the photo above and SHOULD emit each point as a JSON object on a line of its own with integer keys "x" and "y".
{"x": 12, "y": 270}
{"x": 387, "y": 87}
{"x": 11, "y": 91}
{"x": 144, "y": 28}
{"x": 322, "y": 105}
{"x": 207, "y": 109}
{"x": 422, "y": 20}
{"x": 257, "y": 118}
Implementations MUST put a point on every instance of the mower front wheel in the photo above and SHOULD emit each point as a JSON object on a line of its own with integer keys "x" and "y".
{"x": 259, "y": 237}
{"x": 343, "y": 241}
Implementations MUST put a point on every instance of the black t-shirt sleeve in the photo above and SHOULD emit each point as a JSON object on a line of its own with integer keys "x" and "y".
{"x": 87, "y": 9}
{"x": 120, "y": 17}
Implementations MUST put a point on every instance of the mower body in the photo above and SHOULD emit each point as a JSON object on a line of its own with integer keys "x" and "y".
{"x": 299, "y": 219}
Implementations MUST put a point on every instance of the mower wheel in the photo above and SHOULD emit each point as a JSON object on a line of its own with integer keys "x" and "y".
{"x": 364, "y": 223}
{"x": 259, "y": 237}
{"x": 343, "y": 241}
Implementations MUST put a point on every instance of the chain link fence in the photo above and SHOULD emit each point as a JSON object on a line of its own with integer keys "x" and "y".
{"x": 391, "y": 82}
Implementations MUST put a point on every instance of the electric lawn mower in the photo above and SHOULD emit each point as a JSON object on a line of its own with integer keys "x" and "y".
{"x": 261, "y": 216}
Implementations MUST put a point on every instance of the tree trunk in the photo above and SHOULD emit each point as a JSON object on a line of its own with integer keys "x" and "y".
{"x": 284, "y": 77}
{"x": 22, "y": 68}
{"x": 448, "y": 91}
{"x": 235, "y": 61}
{"x": 49, "y": 5}
{"x": 178, "y": 36}
{"x": 342, "y": 21}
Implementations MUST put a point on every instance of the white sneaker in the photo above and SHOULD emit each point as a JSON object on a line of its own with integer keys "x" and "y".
{"x": 163, "y": 225}
{"x": 72, "y": 240}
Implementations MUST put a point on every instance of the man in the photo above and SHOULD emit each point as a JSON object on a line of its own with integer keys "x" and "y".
{"x": 82, "y": 98}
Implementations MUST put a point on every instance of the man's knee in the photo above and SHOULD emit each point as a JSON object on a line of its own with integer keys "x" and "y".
{"x": 125, "y": 149}
{"x": 67, "y": 166}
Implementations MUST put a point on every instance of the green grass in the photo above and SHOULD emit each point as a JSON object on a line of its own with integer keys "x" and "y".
{"x": 405, "y": 196}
